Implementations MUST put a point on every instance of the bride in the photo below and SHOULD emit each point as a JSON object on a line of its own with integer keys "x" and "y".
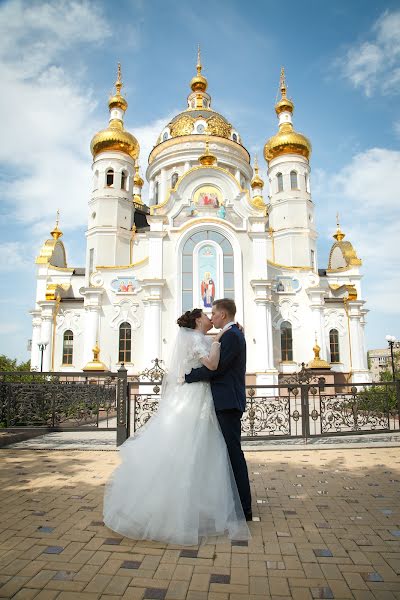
{"x": 175, "y": 482}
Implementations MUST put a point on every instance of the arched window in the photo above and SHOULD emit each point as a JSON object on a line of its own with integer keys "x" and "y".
{"x": 125, "y": 343}
{"x": 68, "y": 347}
{"x": 109, "y": 177}
{"x": 307, "y": 182}
{"x": 204, "y": 269}
{"x": 279, "y": 179}
{"x": 156, "y": 192}
{"x": 334, "y": 345}
{"x": 293, "y": 180}
{"x": 124, "y": 178}
{"x": 165, "y": 136}
{"x": 286, "y": 342}
{"x": 234, "y": 137}
{"x": 174, "y": 179}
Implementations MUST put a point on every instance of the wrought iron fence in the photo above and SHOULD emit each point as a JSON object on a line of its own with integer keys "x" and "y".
{"x": 301, "y": 405}
{"x": 54, "y": 401}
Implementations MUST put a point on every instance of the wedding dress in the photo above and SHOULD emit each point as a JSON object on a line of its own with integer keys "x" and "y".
{"x": 175, "y": 482}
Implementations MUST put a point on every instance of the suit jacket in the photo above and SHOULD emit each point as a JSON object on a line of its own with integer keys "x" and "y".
{"x": 228, "y": 381}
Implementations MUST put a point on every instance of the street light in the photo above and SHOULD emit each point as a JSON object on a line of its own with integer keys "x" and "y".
{"x": 391, "y": 340}
{"x": 42, "y": 346}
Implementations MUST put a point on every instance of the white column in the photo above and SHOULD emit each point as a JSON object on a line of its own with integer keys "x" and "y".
{"x": 46, "y": 332}
{"x": 36, "y": 333}
{"x": 237, "y": 175}
{"x": 151, "y": 192}
{"x": 316, "y": 296}
{"x": 359, "y": 373}
{"x": 92, "y": 305}
{"x": 187, "y": 166}
{"x": 265, "y": 370}
{"x": 152, "y": 320}
{"x": 259, "y": 240}
{"x": 163, "y": 186}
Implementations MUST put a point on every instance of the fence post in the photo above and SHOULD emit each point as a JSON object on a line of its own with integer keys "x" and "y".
{"x": 122, "y": 403}
{"x": 397, "y": 391}
{"x": 304, "y": 390}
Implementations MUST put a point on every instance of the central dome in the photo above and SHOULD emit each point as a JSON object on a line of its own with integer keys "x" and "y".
{"x": 199, "y": 117}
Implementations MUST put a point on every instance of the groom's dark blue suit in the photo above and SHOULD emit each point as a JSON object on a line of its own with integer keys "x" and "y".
{"x": 228, "y": 387}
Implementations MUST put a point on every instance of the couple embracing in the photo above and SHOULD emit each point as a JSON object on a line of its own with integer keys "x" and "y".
{"x": 183, "y": 476}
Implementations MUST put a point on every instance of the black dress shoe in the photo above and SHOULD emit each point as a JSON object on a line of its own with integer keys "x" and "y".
{"x": 249, "y": 516}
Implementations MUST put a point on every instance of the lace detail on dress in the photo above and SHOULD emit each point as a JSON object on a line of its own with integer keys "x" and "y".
{"x": 199, "y": 347}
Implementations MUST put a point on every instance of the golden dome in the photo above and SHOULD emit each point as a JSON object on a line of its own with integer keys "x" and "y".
{"x": 207, "y": 159}
{"x": 287, "y": 140}
{"x": 114, "y": 137}
{"x": 256, "y": 181}
{"x": 199, "y": 82}
{"x": 137, "y": 180}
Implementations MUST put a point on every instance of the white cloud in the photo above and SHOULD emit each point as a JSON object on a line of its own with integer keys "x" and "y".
{"x": 13, "y": 256}
{"x": 365, "y": 193}
{"x": 374, "y": 63}
{"x": 46, "y": 113}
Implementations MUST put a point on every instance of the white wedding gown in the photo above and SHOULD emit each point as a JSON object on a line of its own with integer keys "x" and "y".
{"x": 175, "y": 482}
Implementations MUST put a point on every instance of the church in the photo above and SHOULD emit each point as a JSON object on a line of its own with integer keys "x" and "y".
{"x": 206, "y": 230}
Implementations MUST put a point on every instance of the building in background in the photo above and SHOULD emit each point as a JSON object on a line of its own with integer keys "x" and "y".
{"x": 206, "y": 230}
{"x": 380, "y": 360}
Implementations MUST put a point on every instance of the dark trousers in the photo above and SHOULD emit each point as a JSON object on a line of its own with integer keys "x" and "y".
{"x": 229, "y": 422}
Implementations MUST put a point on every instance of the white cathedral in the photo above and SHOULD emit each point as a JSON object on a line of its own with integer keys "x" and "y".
{"x": 206, "y": 231}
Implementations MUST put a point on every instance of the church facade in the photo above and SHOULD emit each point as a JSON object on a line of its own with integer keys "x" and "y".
{"x": 205, "y": 231}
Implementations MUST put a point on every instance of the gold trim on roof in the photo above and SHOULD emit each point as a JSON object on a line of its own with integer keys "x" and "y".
{"x": 116, "y": 267}
{"x": 196, "y": 138}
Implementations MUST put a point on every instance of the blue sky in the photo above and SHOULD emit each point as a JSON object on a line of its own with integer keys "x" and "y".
{"x": 58, "y": 65}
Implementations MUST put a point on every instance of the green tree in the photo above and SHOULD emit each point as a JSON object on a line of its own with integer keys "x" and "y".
{"x": 11, "y": 364}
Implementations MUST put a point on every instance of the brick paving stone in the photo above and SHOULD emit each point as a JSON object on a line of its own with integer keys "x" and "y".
{"x": 356, "y": 539}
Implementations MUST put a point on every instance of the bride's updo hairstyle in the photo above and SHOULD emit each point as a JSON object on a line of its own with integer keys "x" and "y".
{"x": 188, "y": 319}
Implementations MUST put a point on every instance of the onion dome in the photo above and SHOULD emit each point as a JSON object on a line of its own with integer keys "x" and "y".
{"x": 318, "y": 362}
{"x": 199, "y": 117}
{"x": 137, "y": 180}
{"x": 256, "y": 182}
{"x": 207, "y": 159}
{"x": 95, "y": 364}
{"x": 114, "y": 137}
{"x": 287, "y": 140}
{"x": 56, "y": 233}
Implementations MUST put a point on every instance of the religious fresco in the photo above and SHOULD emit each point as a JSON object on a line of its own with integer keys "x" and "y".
{"x": 125, "y": 285}
{"x": 207, "y": 272}
{"x": 286, "y": 285}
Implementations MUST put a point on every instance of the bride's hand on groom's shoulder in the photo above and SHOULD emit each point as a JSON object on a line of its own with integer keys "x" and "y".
{"x": 221, "y": 333}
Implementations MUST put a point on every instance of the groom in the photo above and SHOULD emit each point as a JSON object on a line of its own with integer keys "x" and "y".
{"x": 229, "y": 392}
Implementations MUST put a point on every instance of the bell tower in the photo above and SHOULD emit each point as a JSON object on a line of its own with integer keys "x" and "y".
{"x": 291, "y": 214}
{"x": 111, "y": 208}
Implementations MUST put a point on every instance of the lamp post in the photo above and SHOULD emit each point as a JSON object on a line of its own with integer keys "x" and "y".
{"x": 42, "y": 346}
{"x": 391, "y": 341}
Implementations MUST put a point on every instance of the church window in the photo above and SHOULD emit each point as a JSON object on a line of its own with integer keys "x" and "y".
{"x": 313, "y": 260}
{"x": 293, "y": 180}
{"x": 234, "y": 137}
{"x": 165, "y": 136}
{"x": 286, "y": 342}
{"x": 204, "y": 102}
{"x": 207, "y": 270}
{"x": 156, "y": 192}
{"x": 334, "y": 345}
{"x": 91, "y": 260}
{"x": 307, "y": 181}
{"x": 125, "y": 343}
{"x": 174, "y": 179}
{"x": 279, "y": 179}
{"x": 124, "y": 179}
{"x": 68, "y": 346}
{"x": 110, "y": 177}
{"x": 200, "y": 128}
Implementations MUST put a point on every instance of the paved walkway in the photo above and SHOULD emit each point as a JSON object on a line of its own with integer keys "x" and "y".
{"x": 327, "y": 525}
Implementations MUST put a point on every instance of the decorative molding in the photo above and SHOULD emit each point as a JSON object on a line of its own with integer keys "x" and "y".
{"x": 69, "y": 319}
{"x": 125, "y": 310}
{"x": 287, "y": 310}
